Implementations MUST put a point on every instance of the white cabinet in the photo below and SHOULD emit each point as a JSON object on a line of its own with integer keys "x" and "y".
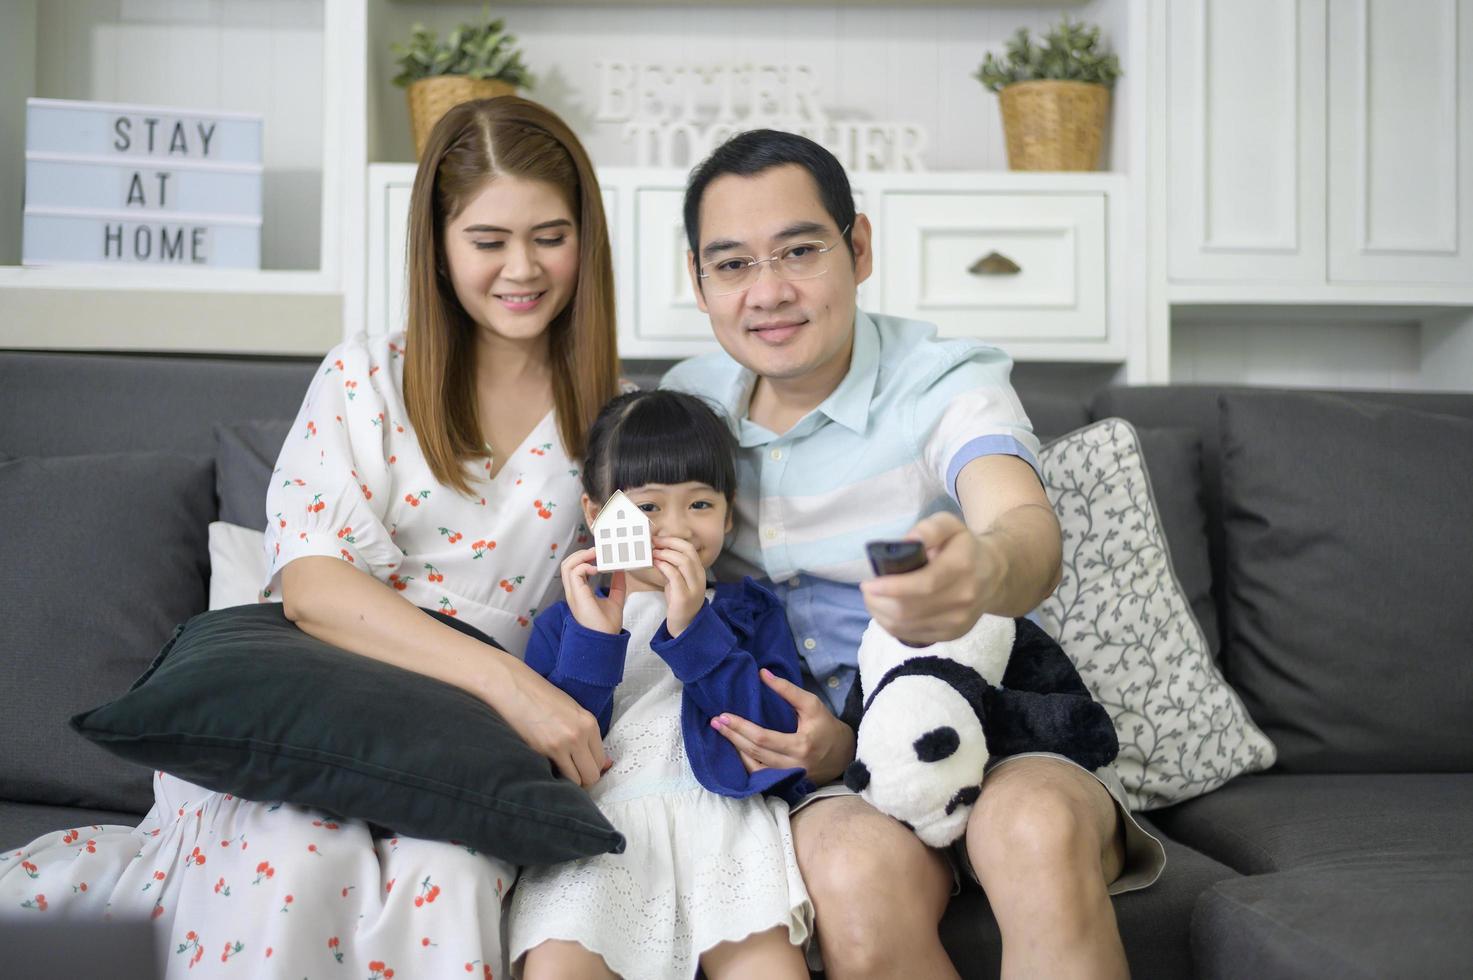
{"x": 385, "y": 307}
{"x": 1246, "y": 131}
{"x": 1001, "y": 267}
{"x": 1315, "y": 144}
{"x": 1064, "y": 233}
{"x": 1401, "y": 141}
{"x": 664, "y": 305}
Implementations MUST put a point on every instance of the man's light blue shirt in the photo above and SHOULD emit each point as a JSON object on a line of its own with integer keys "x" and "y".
{"x": 879, "y": 454}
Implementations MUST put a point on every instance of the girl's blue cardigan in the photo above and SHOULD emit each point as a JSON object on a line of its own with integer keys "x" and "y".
{"x": 718, "y": 656}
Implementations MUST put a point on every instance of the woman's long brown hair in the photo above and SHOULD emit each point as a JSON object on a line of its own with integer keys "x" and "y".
{"x": 475, "y": 142}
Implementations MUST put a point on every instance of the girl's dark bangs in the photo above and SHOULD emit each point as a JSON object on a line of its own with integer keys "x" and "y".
{"x": 651, "y": 457}
{"x": 635, "y": 444}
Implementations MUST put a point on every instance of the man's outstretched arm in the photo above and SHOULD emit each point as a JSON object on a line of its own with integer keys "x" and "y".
{"x": 1005, "y": 560}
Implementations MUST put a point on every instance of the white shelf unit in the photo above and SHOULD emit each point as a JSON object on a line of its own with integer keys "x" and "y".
{"x": 875, "y": 60}
{"x": 1360, "y": 205}
{"x": 881, "y": 60}
{"x": 1067, "y": 231}
{"x": 204, "y": 54}
{"x": 1315, "y": 220}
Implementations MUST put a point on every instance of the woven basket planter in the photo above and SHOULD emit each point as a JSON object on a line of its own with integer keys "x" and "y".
{"x": 1054, "y": 125}
{"x": 431, "y": 98}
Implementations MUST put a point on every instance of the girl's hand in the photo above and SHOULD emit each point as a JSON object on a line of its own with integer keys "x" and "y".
{"x": 604, "y": 614}
{"x": 685, "y": 581}
{"x": 823, "y": 744}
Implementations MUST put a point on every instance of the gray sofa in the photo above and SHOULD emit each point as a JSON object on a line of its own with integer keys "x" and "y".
{"x": 1353, "y": 858}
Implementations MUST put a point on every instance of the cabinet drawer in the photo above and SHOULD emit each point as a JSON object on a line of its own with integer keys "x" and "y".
{"x": 1001, "y": 267}
{"x": 664, "y": 304}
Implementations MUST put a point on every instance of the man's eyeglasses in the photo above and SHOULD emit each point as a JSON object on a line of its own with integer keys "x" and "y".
{"x": 800, "y": 260}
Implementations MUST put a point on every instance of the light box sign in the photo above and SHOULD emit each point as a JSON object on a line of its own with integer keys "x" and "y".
{"x": 114, "y": 184}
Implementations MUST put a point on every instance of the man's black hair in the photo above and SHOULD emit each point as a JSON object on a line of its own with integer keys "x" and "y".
{"x": 659, "y": 436}
{"x": 750, "y": 153}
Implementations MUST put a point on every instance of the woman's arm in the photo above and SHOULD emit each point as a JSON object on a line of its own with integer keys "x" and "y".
{"x": 338, "y": 604}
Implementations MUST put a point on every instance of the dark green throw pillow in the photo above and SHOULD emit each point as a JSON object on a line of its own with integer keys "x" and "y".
{"x": 242, "y": 701}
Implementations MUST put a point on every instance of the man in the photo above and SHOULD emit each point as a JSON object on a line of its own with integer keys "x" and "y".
{"x": 855, "y": 427}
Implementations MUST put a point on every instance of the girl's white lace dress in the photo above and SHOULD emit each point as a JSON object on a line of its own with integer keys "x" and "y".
{"x": 699, "y": 869}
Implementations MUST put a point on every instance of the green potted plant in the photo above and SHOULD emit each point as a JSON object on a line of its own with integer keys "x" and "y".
{"x": 1055, "y": 96}
{"x": 474, "y": 61}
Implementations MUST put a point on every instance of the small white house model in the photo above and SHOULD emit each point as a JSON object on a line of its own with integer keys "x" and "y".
{"x": 621, "y": 533}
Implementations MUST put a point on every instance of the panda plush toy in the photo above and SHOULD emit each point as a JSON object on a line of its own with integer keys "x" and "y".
{"x": 929, "y": 718}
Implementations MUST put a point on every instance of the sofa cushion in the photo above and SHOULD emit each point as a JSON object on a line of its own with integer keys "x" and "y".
{"x": 1053, "y": 415}
{"x": 1275, "y": 822}
{"x": 51, "y": 946}
{"x": 1403, "y": 917}
{"x": 21, "y": 823}
{"x": 245, "y": 455}
{"x": 1196, "y": 407}
{"x": 102, "y": 557}
{"x": 242, "y": 701}
{"x": 65, "y": 404}
{"x": 1348, "y": 535}
{"x": 1120, "y": 614}
{"x": 1153, "y": 923}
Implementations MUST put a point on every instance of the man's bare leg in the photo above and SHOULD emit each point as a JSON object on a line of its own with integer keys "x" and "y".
{"x": 878, "y": 892}
{"x": 1045, "y": 840}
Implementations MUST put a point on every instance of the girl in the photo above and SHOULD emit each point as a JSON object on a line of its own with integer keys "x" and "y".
{"x": 709, "y": 877}
{"x": 426, "y": 469}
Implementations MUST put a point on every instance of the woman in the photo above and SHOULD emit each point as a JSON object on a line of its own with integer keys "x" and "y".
{"x": 437, "y": 461}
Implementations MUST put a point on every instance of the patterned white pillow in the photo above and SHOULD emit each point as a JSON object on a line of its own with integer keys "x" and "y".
{"x": 1121, "y": 616}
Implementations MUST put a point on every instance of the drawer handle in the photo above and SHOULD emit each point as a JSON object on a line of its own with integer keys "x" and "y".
{"x": 994, "y": 264}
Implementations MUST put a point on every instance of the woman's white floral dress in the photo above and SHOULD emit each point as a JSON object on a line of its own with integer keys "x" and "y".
{"x": 351, "y": 483}
{"x": 248, "y": 889}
